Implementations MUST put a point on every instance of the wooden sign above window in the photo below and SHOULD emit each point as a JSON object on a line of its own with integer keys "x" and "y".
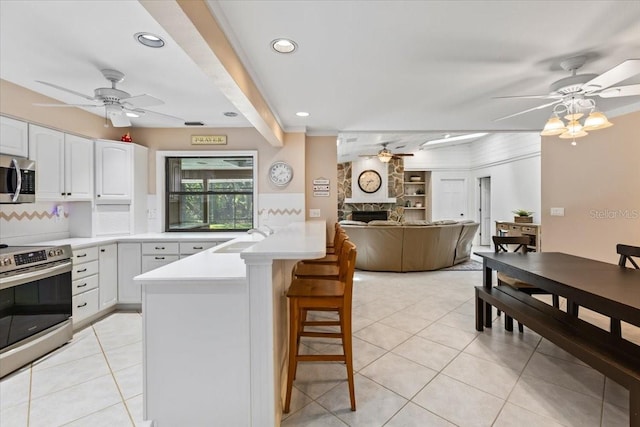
{"x": 208, "y": 139}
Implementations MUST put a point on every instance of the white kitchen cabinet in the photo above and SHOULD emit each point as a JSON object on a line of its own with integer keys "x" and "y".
{"x": 114, "y": 172}
{"x": 129, "y": 266}
{"x": 14, "y": 137}
{"x": 65, "y": 165}
{"x": 151, "y": 262}
{"x": 84, "y": 277}
{"x": 108, "y": 283}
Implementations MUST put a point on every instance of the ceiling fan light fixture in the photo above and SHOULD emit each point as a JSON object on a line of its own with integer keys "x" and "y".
{"x": 131, "y": 114}
{"x": 385, "y": 157}
{"x": 554, "y": 126}
{"x": 596, "y": 121}
{"x": 572, "y": 135}
{"x": 574, "y": 116}
{"x": 574, "y": 126}
{"x": 149, "y": 40}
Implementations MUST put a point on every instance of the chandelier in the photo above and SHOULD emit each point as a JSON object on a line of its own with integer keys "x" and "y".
{"x": 573, "y": 110}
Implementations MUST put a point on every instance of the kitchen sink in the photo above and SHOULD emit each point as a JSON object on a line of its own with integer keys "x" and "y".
{"x": 234, "y": 247}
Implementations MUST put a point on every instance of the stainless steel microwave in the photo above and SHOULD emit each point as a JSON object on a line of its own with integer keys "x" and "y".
{"x": 17, "y": 180}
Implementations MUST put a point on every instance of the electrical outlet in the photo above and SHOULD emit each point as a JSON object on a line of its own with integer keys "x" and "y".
{"x": 314, "y": 213}
{"x": 557, "y": 211}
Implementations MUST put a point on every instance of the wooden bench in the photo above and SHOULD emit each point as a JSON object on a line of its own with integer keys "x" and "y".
{"x": 614, "y": 356}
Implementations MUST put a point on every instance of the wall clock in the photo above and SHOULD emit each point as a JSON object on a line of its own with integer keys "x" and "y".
{"x": 369, "y": 181}
{"x": 280, "y": 173}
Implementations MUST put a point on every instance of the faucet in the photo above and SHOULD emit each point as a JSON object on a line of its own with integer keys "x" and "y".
{"x": 257, "y": 230}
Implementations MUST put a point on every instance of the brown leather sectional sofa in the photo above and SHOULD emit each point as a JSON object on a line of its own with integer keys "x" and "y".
{"x": 402, "y": 248}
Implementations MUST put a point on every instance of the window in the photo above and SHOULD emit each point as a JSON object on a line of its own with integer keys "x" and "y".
{"x": 209, "y": 193}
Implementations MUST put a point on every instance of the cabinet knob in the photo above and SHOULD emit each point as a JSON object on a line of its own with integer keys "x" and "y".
{"x": 98, "y": 195}
{"x": 102, "y": 250}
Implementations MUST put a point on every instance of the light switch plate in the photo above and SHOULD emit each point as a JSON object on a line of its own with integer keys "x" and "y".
{"x": 314, "y": 213}
{"x": 557, "y": 211}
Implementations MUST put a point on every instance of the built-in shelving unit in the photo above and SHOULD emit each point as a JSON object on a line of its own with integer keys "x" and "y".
{"x": 417, "y": 195}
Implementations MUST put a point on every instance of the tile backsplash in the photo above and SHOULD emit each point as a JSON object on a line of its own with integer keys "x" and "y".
{"x": 33, "y": 222}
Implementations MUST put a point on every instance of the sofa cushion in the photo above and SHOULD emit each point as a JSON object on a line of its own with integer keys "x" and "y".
{"x": 377, "y": 223}
{"x": 351, "y": 222}
{"x": 420, "y": 222}
{"x": 445, "y": 222}
{"x": 379, "y": 248}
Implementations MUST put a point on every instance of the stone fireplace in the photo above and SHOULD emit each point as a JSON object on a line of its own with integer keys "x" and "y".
{"x": 366, "y": 216}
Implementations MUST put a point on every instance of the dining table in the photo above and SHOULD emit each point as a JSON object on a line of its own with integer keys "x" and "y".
{"x": 608, "y": 289}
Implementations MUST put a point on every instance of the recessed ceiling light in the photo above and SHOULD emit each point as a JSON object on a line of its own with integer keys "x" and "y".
{"x": 231, "y": 114}
{"x": 149, "y": 40}
{"x": 302, "y": 114}
{"x": 283, "y": 45}
{"x": 130, "y": 114}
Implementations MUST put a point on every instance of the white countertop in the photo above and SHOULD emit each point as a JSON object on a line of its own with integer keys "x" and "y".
{"x": 303, "y": 240}
{"x": 79, "y": 242}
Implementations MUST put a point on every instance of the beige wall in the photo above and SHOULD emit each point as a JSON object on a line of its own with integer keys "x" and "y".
{"x": 17, "y": 101}
{"x": 321, "y": 161}
{"x": 598, "y": 184}
{"x": 177, "y": 139}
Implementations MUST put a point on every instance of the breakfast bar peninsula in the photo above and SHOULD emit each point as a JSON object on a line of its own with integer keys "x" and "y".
{"x": 215, "y": 330}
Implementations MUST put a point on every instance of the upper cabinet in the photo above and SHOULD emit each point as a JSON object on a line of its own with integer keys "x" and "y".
{"x": 114, "y": 171}
{"x": 64, "y": 162}
{"x": 14, "y": 137}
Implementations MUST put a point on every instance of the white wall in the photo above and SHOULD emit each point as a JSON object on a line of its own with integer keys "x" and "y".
{"x": 512, "y": 160}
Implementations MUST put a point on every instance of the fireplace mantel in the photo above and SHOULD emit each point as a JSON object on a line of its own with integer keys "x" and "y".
{"x": 370, "y": 200}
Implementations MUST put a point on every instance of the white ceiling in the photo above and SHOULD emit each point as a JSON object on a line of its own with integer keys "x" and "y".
{"x": 376, "y": 69}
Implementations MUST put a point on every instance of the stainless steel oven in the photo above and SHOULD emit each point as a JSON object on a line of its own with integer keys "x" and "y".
{"x": 35, "y": 303}
{"x": 17, "y": 180}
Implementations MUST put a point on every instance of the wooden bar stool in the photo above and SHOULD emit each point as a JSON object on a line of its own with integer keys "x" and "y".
{"x": 331, "y": 249}
{"x": 334, "y": 258}
{"x": 322, "y": 294}
{"x": 325, "y": 268}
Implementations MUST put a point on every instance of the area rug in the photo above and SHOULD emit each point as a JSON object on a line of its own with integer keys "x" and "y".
{"x": 471, "y": 265}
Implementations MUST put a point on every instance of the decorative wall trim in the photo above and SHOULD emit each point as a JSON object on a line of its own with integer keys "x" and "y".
{"x": 29, "y": 215}
{"x": 280, "y": 211}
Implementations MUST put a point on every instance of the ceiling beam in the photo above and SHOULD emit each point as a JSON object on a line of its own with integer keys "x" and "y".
{"x": 193, "y": 27}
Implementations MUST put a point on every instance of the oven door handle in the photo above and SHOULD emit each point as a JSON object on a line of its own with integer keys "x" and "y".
{"x": 16, "y": 195}
{"x": 32, "y": 276}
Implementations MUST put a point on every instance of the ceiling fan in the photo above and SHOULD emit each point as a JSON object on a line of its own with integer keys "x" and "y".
{"x": 385, "y": 155}
{"x": 118, "y": 104}
{"x": 572, "y": 94}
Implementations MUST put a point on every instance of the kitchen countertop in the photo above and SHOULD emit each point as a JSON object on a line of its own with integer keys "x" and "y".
{"x": 81, "y": 242}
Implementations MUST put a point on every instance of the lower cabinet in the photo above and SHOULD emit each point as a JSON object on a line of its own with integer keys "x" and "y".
{"x": 129, "y": 266}
{"x": 108, "y": 283}
{"x": 85, "y": 279}
{"x": 85, "y": 305}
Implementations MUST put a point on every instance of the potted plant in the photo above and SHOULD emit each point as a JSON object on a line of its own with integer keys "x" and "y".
{"x": 523, "y": 215}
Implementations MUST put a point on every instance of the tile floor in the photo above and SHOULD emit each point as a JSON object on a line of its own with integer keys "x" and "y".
{"x": 418, "y": 360}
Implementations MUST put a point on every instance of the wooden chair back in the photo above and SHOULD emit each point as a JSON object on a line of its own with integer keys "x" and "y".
{"x": 626, "y": 253}
{"x": 501, "y": 243}
{"x": 347, "y": 269}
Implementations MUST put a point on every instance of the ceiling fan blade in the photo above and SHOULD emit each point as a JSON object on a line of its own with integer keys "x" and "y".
{"x": 66, "y": 105}
{"x": 614, "y": 92}
{"x": 549, "y": 96}
{"x": 367, "y": 155}
{"x": 151, "y": 112}
{"x": 119, "y": 120}
{"x": 144, "y": 100}
{"x": 90, "y": 98}
{"x": 628, "y": 68}
{"x": 539, "y": 107}
{"x": 403, "y": 154}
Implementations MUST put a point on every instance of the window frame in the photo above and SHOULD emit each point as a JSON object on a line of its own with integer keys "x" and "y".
{"x": 161, "y": 189}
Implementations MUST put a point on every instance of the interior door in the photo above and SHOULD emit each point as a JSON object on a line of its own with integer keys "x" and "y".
{"x": 453, "y": 198}
{"x": 485, "y": 211}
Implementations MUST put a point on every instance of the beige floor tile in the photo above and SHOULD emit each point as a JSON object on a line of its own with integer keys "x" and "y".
{"x": 58, "y": 377}
{"x": 615, "y": 394}
{"x": 409, "y": 323}
{"x": 315, "y": 378}
{"x": 460, "y": 321}
{"x": 14, "y": 388}
{"x": 447, "y": 335}
{"x": 83, "y": 344}
{"x": 427, "y": 310}
{"x": 413, "y": 415}
{"x": 375, "y": 404}
{"x": 364, "y": 353}
{"x": 566, "y": 374}
{"x": 382, "y": 335}
{"x": 125, "y": 356}
{"x": 129, "y": 381}
{"x": 459, "y": 403}
{"x": 488, "y": 348}
{"x": 298, "y": 401}
{"x": 375, "y": 310}
{"x": 399, "y": 374}
{"x": 312, "y": 415}
{"x": 135, "y": 409}
{"x": 566, "y": 406}
{"x": 15, "y": 416}
{"x": 550, "y": 349}
{"x": 74, "y": 402}
{"x": 515, "y": 416}
{"x": 112, "y": 416}
{"x": 427, "y": 353}
{"x": 614, "y": 416}
{"x": 487, "y": 376}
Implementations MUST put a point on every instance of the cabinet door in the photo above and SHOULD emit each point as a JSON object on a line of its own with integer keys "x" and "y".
{"x": 129, "y": 266}
{"x": 78, "y": 168}
{"x": 46, "y": 147}
{"x": 113, "y": 172}
{"x": 108, "y": 283}
{"x": 14, "y": 137}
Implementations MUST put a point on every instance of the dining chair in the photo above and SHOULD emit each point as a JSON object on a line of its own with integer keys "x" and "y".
{"x": 517, "y": 244}
{"x": 322, "y": 294}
